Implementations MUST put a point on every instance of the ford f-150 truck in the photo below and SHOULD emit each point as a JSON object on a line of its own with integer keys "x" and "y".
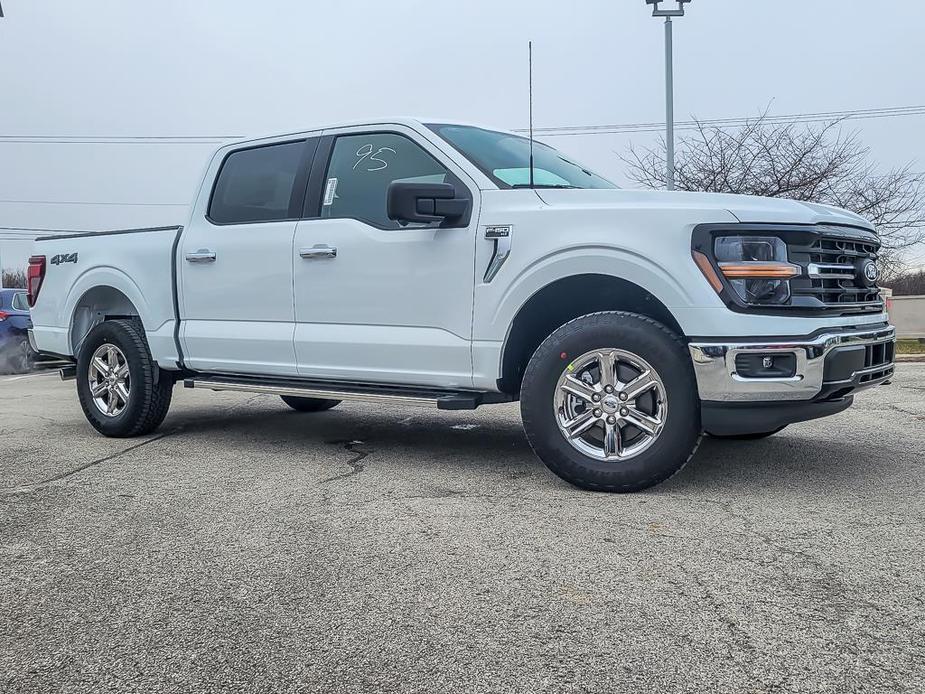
{"x": 452, "y": 266}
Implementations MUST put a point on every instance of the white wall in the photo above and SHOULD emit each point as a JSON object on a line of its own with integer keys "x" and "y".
{"x": 907, "y": 313}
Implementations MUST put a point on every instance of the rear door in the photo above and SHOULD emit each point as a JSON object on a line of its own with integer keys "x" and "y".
{"x": 235, "y": 262}
{"x": 375, "y": 300}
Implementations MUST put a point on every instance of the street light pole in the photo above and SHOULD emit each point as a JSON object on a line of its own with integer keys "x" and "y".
{"x": 669, "y": 84}
{"x": 669, "y": 105}
{"x": 1, "y": 259}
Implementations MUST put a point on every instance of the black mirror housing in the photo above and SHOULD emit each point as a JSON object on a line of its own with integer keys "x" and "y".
{"x": 425, "y": 203}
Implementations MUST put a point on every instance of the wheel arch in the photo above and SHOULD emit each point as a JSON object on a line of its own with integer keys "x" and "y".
{"x": 565, "y": 299}
{"x": 96, "y": 304}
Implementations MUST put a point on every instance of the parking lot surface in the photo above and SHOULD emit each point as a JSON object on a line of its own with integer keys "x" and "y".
{"x": 246, "y": 547}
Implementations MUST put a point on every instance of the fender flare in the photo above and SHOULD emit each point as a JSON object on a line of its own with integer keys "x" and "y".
{"x": 588, "y": 259}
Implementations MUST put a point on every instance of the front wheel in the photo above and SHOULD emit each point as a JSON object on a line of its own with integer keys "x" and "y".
{"x": 609, "y": 402}
{"x": 120, "y": 388}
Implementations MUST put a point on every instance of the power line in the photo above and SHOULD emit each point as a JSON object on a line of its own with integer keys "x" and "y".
{"x": 818, "y": 117}
{"x": 827, "y": 115}
{"x": 796, "y": 116}
{"x": 118, "y": 140}
{"x": 42, "y": 230}
{"x": 91, "y": 202}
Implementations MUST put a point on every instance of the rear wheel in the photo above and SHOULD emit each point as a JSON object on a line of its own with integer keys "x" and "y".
{"x": 746, "y": 437}
{"x": 309, "y": 404}
{"x": 121, "y": 390}
{"x": 609, "y": 402}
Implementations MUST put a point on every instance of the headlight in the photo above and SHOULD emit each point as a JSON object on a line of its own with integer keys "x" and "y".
{"x": 756, "y": 267}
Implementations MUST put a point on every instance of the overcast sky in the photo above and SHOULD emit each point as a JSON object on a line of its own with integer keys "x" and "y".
{"x": 234, "y": 68}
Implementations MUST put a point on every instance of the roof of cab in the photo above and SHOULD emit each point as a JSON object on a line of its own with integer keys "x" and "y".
{"x": 415, "y": 123}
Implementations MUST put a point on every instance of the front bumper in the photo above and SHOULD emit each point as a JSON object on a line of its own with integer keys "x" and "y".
{"x": 830, "y": 365}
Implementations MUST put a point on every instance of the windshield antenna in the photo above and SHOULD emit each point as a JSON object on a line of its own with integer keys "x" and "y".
{"x": 530, "y": 88}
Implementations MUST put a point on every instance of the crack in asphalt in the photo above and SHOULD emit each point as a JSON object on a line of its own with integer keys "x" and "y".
{"x": 354, "y": 463}
{"x": 738, "y": 634}
{"x": 823, "y": 571}
{"x": 32, "y": 486}
{"x": 80, "y": 468}
{"x": 749, "y": 528}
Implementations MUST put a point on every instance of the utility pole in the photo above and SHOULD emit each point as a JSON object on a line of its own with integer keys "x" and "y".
{"x": 669, "y": 83}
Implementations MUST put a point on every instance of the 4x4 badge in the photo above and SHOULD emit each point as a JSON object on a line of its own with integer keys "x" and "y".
{"x": 64, "y": 258}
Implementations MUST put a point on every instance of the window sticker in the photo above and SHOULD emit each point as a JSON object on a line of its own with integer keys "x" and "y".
{"x": 329, "y": 192}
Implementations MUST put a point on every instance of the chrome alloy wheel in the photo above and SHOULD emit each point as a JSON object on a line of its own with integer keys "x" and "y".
{"x": 110, "y": 383}
{"x": 610, "y": 404}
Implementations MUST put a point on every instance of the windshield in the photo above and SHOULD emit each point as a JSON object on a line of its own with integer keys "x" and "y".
{"x": 505, "y": 158}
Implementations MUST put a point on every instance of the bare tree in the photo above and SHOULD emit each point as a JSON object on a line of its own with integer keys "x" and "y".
{"x": 810, "y": 163}
{"x": 13, "y": 278}
{"x": 907, "y": 284}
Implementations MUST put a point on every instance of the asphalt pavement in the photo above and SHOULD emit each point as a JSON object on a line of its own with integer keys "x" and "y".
{"x": 246, "y": 547}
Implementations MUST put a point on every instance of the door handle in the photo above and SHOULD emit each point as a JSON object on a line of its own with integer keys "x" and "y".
{"x": 203, "y": 255}
{"x": 318, "y": 251}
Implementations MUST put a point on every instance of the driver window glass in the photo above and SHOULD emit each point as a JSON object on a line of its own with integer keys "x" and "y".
{"x": 363, "y": 166}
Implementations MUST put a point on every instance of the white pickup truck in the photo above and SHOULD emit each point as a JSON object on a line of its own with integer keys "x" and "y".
{"x": 442, "y": 264}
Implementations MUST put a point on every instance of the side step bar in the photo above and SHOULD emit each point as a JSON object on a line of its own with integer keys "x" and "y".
{"x": 442, "y": 400}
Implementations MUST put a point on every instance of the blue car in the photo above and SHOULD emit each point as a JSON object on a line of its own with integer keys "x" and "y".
{"x": 16, "y": 355}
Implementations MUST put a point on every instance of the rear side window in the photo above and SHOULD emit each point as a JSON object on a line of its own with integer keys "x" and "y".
{"x": 19, "y": 302}
{"x": 255, "y": 185}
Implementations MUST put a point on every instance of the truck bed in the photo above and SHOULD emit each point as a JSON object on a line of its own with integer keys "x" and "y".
{"x": 137, "y": 264}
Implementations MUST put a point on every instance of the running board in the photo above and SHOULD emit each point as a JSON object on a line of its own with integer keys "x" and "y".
{"x": 441, "y": 399}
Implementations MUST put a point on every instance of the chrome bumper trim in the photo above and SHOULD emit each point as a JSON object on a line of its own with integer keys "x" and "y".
{"x": 714, "y": 365}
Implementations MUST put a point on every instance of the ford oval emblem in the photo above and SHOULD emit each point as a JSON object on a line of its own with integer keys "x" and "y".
{"x": 869, "y": 269}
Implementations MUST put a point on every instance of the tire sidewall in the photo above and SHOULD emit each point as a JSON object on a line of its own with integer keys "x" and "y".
{"x": 643, "y": 337}
{"x": 112, "y": 332}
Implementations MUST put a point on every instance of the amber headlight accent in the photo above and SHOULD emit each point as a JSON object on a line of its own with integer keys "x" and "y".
{"x": 706, "y": 267}
{"x": 759, "y": 270}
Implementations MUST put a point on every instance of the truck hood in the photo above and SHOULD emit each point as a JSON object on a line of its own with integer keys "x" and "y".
{"x": 745, "y": 208}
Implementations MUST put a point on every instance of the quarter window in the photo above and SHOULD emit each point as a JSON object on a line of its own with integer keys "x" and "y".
{"x": 255, "y": 185}
{"x": 363, "y": 166}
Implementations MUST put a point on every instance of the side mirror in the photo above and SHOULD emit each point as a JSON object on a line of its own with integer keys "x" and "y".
{"x": 425, "y": 203}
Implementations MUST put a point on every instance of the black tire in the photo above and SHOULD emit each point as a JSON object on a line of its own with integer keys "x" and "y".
{"x": 151, "y": 389}
{"x": 746, "y": 437}
{"x": 309, "y": 404}
{"x": 668, "y": 356}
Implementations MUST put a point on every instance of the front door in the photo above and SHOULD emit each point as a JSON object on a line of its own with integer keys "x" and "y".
{"x": 235, "y": 263}
{"x": 376, "y": 301}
